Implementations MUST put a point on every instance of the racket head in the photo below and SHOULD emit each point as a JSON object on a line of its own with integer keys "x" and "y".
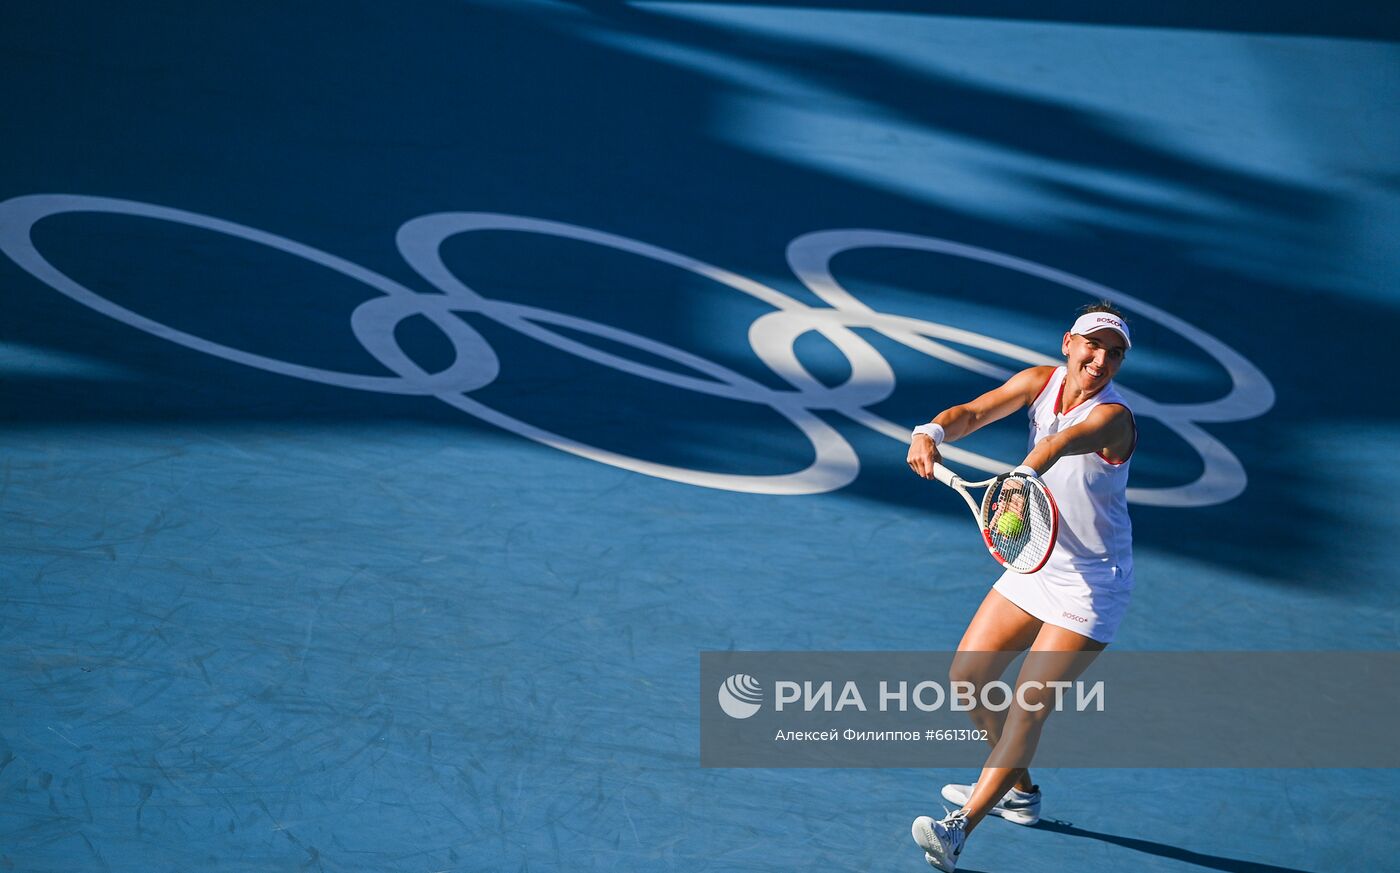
{"x": 1020, "y": 522}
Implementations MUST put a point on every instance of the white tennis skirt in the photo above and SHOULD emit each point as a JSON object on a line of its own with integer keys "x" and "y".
{"x": 1091, "y": 604}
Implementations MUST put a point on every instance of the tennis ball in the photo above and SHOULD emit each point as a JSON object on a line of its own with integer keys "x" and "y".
{"x": 1010, "y": 525}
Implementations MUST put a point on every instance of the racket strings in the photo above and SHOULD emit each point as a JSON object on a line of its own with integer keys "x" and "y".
{"x": 1021, "y": 522}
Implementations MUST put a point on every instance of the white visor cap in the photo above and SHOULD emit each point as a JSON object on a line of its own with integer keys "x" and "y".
{"x": 1092, "y": 321}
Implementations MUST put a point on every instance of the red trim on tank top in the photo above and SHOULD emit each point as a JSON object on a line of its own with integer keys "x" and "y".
{"x": 1119, "y": 463}
{"x": 1060, "y": 399}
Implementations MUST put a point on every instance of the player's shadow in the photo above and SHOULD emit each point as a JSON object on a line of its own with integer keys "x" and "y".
{"x": 695, "y": 76}
{"x": 1164, "y": 850}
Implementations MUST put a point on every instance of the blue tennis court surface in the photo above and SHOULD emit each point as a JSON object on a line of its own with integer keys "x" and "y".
{"x": 397, "y": 400}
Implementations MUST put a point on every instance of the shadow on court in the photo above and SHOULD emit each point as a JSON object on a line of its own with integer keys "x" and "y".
{"x": 1163, "y": 850}
{"x": 1351, "y": 19}
{"x": 252, "y": 621}
{"x": 702, "y": 157}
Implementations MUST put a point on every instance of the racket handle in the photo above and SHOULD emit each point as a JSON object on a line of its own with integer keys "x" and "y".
{"x": 944, "y": 475}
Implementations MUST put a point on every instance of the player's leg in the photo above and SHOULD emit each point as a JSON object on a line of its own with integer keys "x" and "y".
{"x": 998, "y": 632}
{"x": 1057, "y": 655}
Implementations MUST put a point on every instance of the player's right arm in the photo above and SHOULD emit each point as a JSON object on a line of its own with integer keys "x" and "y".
{"x": 1018, "y": 392}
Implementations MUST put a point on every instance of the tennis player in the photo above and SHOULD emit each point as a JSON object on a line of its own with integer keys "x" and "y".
{"x": 1082, "y": 435}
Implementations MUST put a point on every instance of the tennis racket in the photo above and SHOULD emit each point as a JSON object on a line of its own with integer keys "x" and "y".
{"x": 1017, "y": 515}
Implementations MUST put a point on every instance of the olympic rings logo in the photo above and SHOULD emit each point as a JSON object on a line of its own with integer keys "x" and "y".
{"x": 772, "y": 337}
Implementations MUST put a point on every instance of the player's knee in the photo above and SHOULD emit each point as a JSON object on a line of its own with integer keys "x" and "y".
{"x": 977, "y": 668}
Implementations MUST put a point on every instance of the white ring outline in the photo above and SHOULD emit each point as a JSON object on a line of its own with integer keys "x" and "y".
{"x": 1223, "y": 476}
{"x": 836, "y": 463}
{"x": 772, "y": 337}
{"x": 1251, "y": 394}
{"x": 19, "y": 215}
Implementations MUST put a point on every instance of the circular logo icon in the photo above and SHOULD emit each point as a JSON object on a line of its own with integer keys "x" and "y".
{"x": 740, "y": 696}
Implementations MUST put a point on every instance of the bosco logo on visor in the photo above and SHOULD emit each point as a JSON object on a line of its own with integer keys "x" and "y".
{"x": 1092, "y": 321}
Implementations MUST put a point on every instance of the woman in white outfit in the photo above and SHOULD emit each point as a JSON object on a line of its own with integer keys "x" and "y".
{"x": 1081, "y": 438}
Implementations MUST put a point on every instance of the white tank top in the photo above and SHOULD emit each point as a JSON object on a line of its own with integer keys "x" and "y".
{"x": 1096, "y": 535}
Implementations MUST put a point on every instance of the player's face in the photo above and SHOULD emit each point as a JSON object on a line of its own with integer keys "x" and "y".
{"x": 1094, "y": 359}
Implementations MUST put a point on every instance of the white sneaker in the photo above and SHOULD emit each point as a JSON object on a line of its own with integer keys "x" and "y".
{"x": 942, "y": 841}
{"x": 1018, "y": 807}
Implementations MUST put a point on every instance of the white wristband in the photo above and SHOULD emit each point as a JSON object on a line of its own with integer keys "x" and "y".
{"x": 930, "y": 430}
{"x": 1027, "y": 470}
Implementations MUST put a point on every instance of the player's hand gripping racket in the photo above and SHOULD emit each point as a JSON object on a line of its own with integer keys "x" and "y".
{"x": 1017, "y": 515}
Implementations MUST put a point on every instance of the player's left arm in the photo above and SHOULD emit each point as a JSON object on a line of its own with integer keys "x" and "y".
{"x": 1109, "y": 429}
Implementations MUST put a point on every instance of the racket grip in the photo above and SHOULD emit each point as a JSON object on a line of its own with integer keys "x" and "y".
{"x": 944, "y": 475}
